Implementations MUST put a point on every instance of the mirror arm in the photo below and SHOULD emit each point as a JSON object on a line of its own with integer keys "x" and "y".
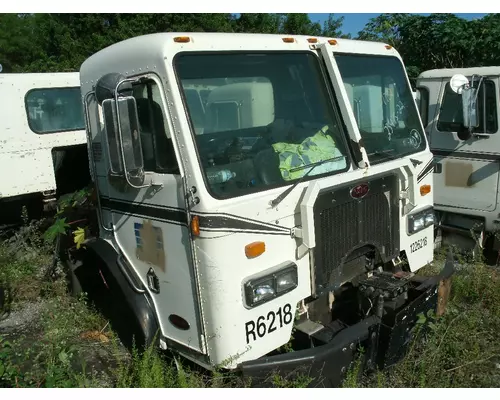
{"x": 120, "y": 138}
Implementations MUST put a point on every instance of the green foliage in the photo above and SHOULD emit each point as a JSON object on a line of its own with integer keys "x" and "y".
{"x": 57, "y": 228}
{"x": 7, "y": 369}
{"x": 61, "y": 42}
{"x": 300, "y": 381}
{"x": 65, "y": 204}
{"x": 150, "y": 369}
{"x": 23, "y": 261}
{"x": 258, "y": 23}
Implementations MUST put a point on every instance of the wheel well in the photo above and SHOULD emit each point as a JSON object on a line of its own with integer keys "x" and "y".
{"x": 118, "y": 301}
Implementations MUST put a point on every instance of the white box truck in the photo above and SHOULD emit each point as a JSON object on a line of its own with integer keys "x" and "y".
{"x": 43, "y": 148}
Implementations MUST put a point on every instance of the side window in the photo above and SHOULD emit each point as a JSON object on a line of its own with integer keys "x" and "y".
{"x": 156, "y": 139}
{"x": 450, "y": 114}
{"x": 54, "y": 110}
{"x": 423, "y": 105}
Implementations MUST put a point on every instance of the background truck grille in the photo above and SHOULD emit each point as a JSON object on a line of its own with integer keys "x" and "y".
{"x": 347, "y": 228}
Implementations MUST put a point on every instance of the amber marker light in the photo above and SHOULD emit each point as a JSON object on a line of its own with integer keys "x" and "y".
{"x": 255, "y": 249}
{"x": 425, "y": 189}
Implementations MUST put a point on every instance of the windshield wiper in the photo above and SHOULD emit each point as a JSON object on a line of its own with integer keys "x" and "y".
{"x": 384, "y": 153}
{"x": 282, "y": 196}
{"x": 392, "y": 157}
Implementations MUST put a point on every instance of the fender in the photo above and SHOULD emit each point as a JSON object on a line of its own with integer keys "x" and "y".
{"x": 139, "y": 303}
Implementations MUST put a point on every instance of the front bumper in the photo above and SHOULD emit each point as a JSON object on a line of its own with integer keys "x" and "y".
{"x": 384, "y": 341}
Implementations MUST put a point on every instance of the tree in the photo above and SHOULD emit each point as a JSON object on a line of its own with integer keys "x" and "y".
{"x": 258, "y": 23}
{"x": 438, "y": 40}
{"x": 16, "y": 44}
{"x": 300, "y": 24}
{"x": 385, "y": 28}
{"x": 332, "y": 27}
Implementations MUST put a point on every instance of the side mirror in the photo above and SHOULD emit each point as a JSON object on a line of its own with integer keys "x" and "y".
{"x": 469, "y": 108}
{"x": 121, "y": 120}
{"x": 470, "y": 112}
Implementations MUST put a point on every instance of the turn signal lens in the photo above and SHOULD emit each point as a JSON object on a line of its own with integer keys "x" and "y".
{"x": 195, "y": 226}
{"x": 425, "y": 189}
{"x": 255, "y": 249}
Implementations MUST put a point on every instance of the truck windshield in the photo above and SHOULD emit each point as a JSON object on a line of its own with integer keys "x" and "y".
{"x": 260, "y": 119}
{"x": 383, "y": 105}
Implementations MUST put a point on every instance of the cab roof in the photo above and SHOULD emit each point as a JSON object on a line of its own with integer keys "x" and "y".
{"x": 449, "y": 72}
{"x": 154, "y": 49}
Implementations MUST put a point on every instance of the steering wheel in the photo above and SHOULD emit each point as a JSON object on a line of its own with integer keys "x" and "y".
{"x": 266, "y": 164}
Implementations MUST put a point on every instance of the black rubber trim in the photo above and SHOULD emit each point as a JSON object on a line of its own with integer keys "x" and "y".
{"x": 464, "y": 154}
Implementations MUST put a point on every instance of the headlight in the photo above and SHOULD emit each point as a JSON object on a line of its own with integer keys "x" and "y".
{"x": 420, "y": 220}
{"x": 268, "y": 287}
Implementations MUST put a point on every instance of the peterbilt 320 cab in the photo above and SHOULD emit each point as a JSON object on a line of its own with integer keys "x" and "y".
{"x": 257, "y": 190}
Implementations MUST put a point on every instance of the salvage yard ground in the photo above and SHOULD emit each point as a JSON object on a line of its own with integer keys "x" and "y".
{"x": 50, "y": 339}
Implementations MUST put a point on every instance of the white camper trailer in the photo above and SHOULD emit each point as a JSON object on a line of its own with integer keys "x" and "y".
{"x": 43, "y": 149}
{"x": 294, "y": 194}
{"x": 460, "y": 110}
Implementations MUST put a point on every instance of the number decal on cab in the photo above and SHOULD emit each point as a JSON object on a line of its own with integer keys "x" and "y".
{"x": 419, "y": 244}
{"x": 266, "y": 324}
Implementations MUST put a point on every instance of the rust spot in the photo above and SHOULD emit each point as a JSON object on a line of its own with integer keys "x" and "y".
{"x": 457, "y": 174}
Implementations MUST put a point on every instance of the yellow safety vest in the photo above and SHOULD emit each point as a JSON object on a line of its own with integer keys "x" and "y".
{"x": 316, "y": 148}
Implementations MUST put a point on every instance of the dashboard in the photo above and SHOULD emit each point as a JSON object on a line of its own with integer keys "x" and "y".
{"x": 236, "y": 162}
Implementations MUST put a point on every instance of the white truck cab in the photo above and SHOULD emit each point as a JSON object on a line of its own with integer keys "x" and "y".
{"x": 43, "y": 151}
{"x": 460, "y": 110}
{"x": 249, "y": 186}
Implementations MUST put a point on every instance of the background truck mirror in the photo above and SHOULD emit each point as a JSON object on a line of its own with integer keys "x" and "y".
{"x": 469, "y": 107}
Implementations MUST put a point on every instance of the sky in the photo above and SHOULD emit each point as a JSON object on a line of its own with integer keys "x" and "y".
{"x": 355, "y": 22}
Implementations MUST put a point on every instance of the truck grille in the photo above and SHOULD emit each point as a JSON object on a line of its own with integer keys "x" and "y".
{"x": 347, "y": 228}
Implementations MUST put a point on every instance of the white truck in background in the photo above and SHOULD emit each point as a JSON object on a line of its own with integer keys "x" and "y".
{"x": 460, "y": 111}
{"x": 43, "y": 148}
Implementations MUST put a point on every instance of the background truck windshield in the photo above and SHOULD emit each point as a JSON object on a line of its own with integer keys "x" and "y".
{"x": 259, "y": 120}
{"x": 383, "y": 105}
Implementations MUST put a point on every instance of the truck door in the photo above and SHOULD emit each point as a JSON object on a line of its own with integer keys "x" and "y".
{"x": 466, "y": 173}
{"x": 150, "y": 222}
